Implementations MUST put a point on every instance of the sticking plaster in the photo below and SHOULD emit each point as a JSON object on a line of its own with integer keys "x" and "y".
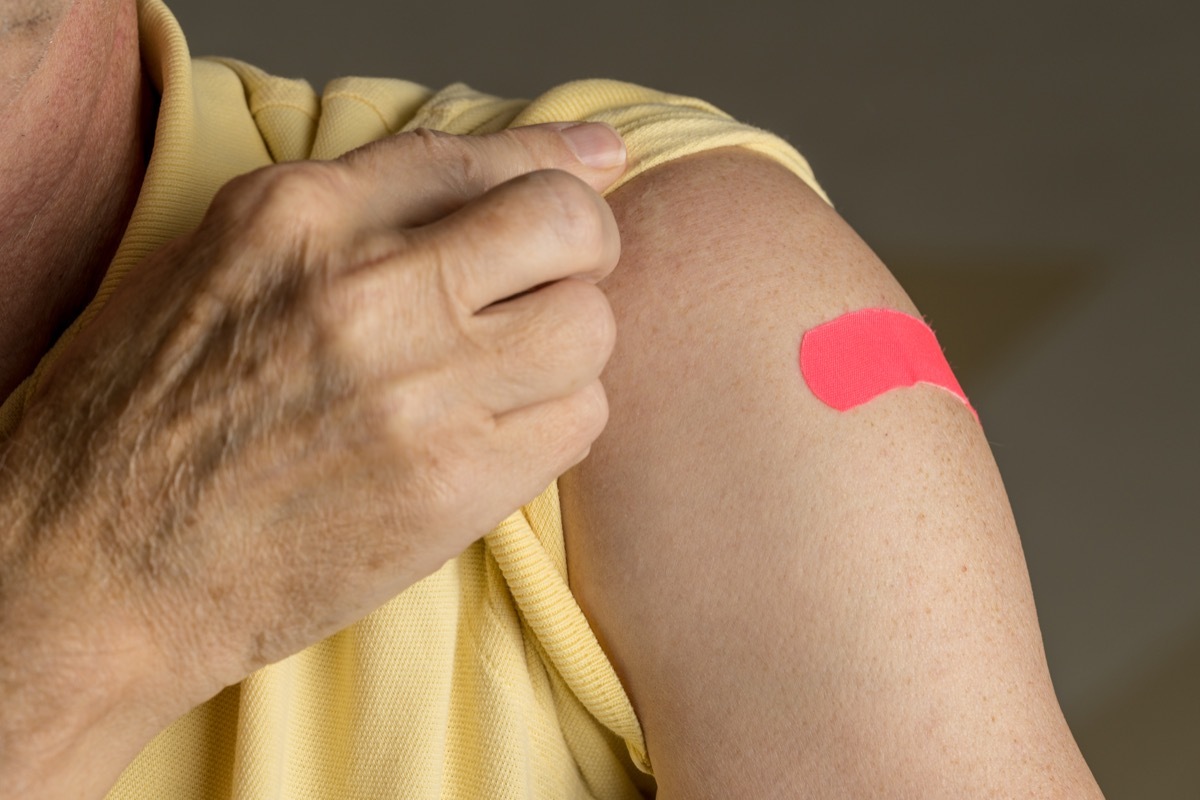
{"x": 858, "y": 356}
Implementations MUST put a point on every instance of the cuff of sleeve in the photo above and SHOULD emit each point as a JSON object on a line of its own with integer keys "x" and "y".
{"x": 528, "y": 548}
{"x": 659, "y": 127}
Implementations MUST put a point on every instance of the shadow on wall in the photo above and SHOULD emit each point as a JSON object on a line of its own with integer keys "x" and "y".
{"x": 987, "y": 307}
{"x": 1142, "y": 743}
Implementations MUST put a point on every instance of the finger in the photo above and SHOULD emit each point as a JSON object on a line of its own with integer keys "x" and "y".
{"x": 560, "y": 430}
{"x": 495, "y": 272}
{"x": 535, "y": 229}
{"x": 532, "y": 447}
{"x": 546, "y": 344}
{"x": 415, "y": 178}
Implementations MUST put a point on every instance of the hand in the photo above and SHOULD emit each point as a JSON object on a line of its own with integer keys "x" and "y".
{"x": 348, "y": 373}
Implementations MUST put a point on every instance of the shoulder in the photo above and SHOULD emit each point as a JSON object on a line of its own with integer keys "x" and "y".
{"x": 796, "y": 596}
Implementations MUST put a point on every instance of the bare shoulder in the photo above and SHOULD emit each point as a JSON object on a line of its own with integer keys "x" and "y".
{"x": 800, "y": 601}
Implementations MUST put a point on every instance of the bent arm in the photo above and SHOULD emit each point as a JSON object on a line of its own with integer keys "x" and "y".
{"x": 799, "y": 601}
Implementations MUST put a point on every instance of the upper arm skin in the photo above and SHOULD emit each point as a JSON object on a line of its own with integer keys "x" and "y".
{"x": 800, "y": 602}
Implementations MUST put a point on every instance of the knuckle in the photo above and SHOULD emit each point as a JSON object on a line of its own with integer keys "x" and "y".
{"x": 356, "y": 314}
{"x": 413, "y": 420}
{"x": 424, "y": 432}
{"x": 531, "y": 148}
{"x": 591, "y": 326}
{"x": 235, "y": 189}
{"x": 397, "y": 419}
{"x": 235, "y": 199}
{"x": 301, "y": 192}
{"x": 336, "y": 300}
{"x": 339, "y": 310}
{"x": 584, "y": 416}
{"x": 574, "y": 336}
{"x": 389, "y": 319}
{"x": 593, "y": 409}
{"x": 297, "y": 195}
{"x": 574, "y": 208}
{"x": 462, "y": 167}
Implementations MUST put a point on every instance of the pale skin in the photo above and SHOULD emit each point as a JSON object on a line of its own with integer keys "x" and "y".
{"x": 829, "y": 605}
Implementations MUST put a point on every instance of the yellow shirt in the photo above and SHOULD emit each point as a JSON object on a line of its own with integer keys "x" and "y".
{"x": 483, "y": 680}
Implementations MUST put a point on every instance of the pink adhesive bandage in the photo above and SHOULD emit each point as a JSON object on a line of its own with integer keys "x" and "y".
{"x": 858, "y": 356}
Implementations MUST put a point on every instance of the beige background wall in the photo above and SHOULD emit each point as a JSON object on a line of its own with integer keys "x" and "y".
{"x": 1030, "y": 171}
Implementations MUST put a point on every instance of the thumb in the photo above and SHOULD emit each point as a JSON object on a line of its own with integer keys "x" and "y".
{"x": 417, "y": 177}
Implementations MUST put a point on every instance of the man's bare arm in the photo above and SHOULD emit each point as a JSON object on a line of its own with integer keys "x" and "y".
{"x": 800, "y": 601}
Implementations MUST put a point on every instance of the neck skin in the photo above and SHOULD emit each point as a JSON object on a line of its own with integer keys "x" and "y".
{"x": 76, "y": 124}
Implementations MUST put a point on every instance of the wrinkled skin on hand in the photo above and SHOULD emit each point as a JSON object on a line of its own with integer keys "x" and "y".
{"x": 348, "y": 373}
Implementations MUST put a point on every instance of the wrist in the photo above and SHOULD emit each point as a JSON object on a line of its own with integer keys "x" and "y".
{"x": 80, "y": 697}
{"x": 71, "y": 719}
{"x": 80, "y": 686}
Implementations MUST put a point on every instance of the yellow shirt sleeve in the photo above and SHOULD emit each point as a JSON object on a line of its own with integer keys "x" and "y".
{"x": 483, "y": 680}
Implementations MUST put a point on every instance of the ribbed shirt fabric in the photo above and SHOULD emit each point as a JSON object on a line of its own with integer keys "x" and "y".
{"x": 484, "y": 680}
